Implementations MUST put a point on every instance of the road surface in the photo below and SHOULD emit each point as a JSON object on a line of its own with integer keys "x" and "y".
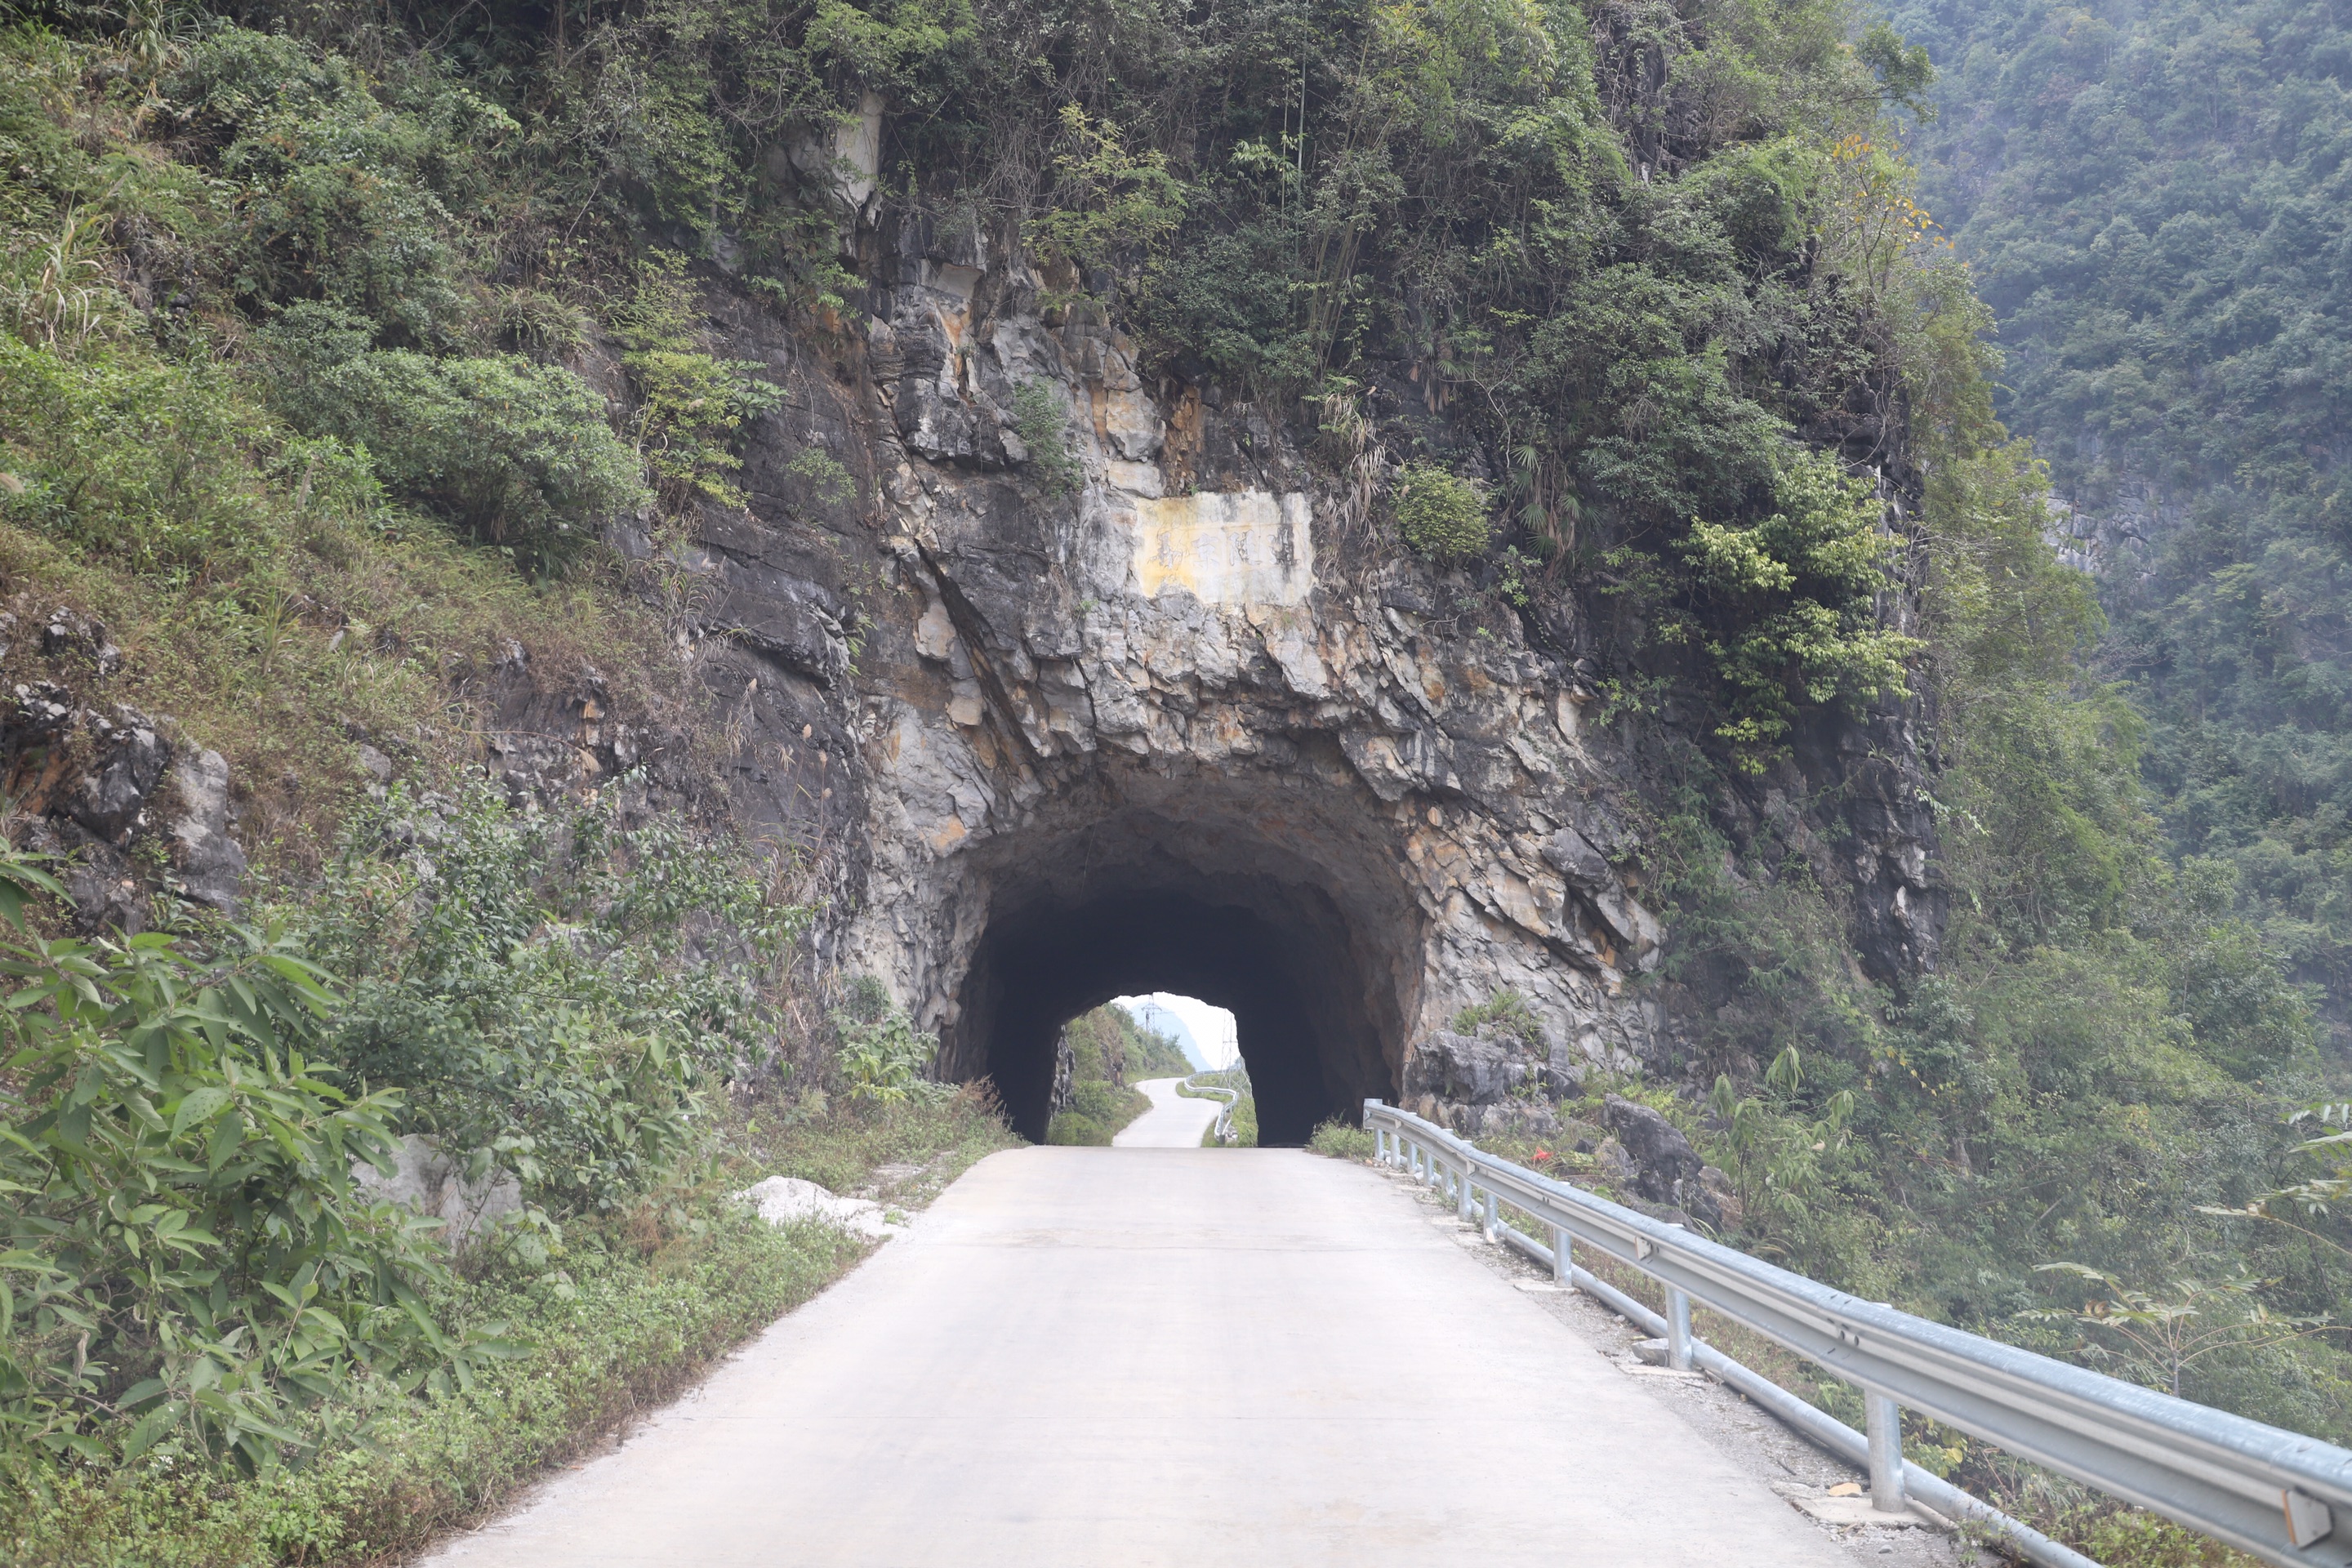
{"x": 1083, "y": 1358}
{"x": 1172, "y": 1122}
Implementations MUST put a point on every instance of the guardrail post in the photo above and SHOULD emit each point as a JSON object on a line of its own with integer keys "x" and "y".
{"x": 1494, "y": 1219}
{"x": 1678, "y": 1338}
{"x": 1883, "y": 1419}
{"x": 2269, "y": 1492}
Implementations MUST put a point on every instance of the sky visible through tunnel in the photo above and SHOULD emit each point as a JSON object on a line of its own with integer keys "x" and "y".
{"x": 1209, "y": 1029}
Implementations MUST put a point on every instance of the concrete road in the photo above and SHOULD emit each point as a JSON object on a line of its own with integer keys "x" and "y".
{"x": 1107, "y": 1358}
{"x": 1172, "y": 1122}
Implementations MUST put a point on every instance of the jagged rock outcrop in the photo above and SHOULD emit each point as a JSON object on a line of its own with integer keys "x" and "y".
{"x": 1185, "y": 705}
{"x": 468, "y": 1202}
{"x": 1662, "y": 1166}
{"x": 132, "y": 805}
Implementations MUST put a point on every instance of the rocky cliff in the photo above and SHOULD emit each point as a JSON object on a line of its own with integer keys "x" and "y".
{"x": 1153, "y": 708}
{"x": 1062, "y": 679}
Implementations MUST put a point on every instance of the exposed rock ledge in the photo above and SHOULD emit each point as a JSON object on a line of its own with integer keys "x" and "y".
{"x": 1183, "y": 727}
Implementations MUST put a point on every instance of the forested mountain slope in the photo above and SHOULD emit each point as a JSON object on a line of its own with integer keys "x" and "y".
{"x": 2153, "y": 198}
{"x": 378, "y": 387}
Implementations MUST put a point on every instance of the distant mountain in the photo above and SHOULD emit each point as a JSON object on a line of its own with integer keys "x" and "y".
{"x": 1151, "y": 1015}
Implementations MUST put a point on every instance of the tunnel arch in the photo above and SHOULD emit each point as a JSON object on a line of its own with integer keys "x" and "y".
{"x": 1295, "y": 919}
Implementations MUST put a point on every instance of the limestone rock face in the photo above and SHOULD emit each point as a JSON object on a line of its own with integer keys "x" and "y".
{"x": 95, "y": 783}
{"x": 434, "y": 1185}
{"x": 208, "y": 862}
{"x": 1181, "y": 725}
{"x": 109, "y": 798}
{"x": 1469, "y": 1070}
{"x": 1664, "y": 1167}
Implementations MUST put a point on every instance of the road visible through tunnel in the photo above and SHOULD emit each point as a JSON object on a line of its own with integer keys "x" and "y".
{"x": 1172, "y": 1122}
{"x": 1083, "y": 1357}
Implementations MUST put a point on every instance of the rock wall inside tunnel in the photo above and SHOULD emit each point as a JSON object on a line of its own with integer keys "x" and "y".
{"x": 1177, "y": 723}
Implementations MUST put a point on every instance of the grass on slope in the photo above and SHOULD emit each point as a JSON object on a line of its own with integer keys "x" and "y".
{"x": 636, "y": 1306}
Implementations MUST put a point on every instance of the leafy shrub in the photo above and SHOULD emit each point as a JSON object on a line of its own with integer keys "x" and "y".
{"x": 1341, "y": 1141}
{"x": 138, "y": 460}
{"x": 690, "y": 406}
{"x": 1505, "y": 1013}
{"x": 554, "y": 989}
{"x": 617, "y": 1331}
{"x": 1791, "y": 610}
{"x": 1107, "y": 200}
{"x": 1441, "y": 515}
{"x": 188, "y": 1263}
{"x": 1097, "y": 1111}
{"x": 515, "y": 452}
{"x": 1043, "y": 427}
{"x": 345, "y": 197}
{"x": 884, "y": 1057}
{"x": 1074, "y": 1128}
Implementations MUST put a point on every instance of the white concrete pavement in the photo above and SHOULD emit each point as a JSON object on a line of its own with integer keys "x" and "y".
{"x": 1088, "y": 1357}
{"x": 1172, "y": 1122}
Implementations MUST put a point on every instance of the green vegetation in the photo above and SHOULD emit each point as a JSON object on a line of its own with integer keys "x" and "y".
{"x": 1245, "y": 1119}
{"x": 219, "y": 1350}
{"x": 1340, "y": 1142}
{"x": 530, "y": 977}
{"x": 1794, "y": 597}
{"x": 642, "y": 1303}
{"x": 1043, "y": 427}
{"x": 2153, "y": 200}
{"x": 512, "y": 452}
{"x": 260, "y": 397}
{"x": 2084, "y": 1119}
{"x": 187, "y": 1262}
{"x": 1505, "y": 1013}
{"x": 636, "y": 1305}
{"x": 1108, "y": 1053}
{"x": 883, "y": 1058}
{"x": 1440, "y": 516}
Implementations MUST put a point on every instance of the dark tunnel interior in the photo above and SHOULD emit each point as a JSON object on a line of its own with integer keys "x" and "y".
{"x": 1310, "y": 960}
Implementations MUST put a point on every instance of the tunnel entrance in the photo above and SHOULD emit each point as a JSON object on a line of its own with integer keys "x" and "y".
{"x": 1304, "y": 933}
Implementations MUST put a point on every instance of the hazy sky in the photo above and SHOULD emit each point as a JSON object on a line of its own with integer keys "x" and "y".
{"x": 1212, "y": 1028}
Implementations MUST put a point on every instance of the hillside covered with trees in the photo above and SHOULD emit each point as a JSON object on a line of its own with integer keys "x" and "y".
{"x": 2152, "y": 200}
{"x": 343, "y": 348}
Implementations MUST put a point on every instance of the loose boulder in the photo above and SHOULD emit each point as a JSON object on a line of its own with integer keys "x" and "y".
{"x": 789, "y": 1200}
{"x": 1665, "y": 1169}
{"x": 1469, "y": 1069}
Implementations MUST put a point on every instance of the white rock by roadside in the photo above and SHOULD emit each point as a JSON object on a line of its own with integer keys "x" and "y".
{"x": 781, "y": 1200}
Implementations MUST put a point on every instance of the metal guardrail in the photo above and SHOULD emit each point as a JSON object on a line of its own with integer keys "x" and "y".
{"x": 1223, "y": 1125}
{"x": 2281, "y": 1496}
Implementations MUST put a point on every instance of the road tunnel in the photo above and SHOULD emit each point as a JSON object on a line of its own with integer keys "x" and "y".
{"x": 1299, "y": 926}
